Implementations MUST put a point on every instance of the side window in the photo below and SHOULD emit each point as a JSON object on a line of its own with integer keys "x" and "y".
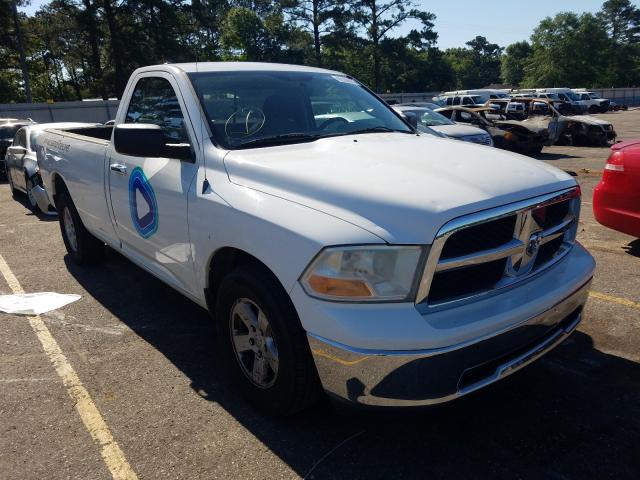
{"x": 154, "y": 101}
{"x": 449, "y": 101}
{"x": 562, "y": 96}
{"x": 585, "y": 97}
{"x": 20, "y": 139}
{"x": 456, "y": 100}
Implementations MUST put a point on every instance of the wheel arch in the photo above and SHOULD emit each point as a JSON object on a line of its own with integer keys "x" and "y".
{"x": 58, "y": 185}
{"x": 222, "y": 262}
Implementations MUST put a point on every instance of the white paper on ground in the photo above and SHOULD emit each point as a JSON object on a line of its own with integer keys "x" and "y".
{"x": 35, "y": 303}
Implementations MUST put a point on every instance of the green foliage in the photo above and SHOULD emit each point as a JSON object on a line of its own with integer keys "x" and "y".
{"x": 476, "y": 66}
{"x": 621, "y": 20}
{"x": 514, "y": 61}
{"x": 76, "y": 49}
{"x": 568, "y": 49}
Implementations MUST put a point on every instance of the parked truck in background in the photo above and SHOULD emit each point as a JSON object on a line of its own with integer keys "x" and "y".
{"x": 346, "y": 252}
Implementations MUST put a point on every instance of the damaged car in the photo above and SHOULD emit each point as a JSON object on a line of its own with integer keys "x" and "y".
{"x": 571, "y": 129}
{"x": 422, "y": 118}
{"x": 22, "y": 165}
{"x": 506, "y": 133}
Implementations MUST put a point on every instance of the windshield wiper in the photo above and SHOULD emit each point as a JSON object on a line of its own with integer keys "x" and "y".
{"x": 279, "y": 139}
{"x": 378, "y": 129}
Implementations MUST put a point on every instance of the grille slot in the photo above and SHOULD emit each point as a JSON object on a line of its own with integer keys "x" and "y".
{"x": 479, "y": 237}
{"x": 494, "y": 249}
{"x": 548, "y": 251}
{"x": 461, "y": 282}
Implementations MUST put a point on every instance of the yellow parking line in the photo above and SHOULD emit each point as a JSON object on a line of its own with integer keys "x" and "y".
{"x": 618, "y": 300}
{"x": 89, "y": 413}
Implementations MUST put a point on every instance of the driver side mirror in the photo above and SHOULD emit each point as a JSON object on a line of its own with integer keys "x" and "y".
{"x": 148, "y": 140}
{"x": 19, "y": 152}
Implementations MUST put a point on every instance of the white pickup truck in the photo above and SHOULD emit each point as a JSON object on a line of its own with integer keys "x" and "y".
{"x": 334, "y": 245}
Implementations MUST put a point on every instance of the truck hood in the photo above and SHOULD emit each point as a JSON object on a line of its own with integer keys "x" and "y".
{"x": 537, "y": 125}
{"x": 588, "y": 119}
{"x": 400, "y": 187}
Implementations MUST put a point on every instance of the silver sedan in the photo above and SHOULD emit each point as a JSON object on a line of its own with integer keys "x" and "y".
{"x": 22, "y": 165}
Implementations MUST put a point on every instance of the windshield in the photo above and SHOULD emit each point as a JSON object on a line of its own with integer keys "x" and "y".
{"x": 7, "y": 133}
{"x": 429, "y": 118}
{"x": 572, "y": 96}
{"x": 269, "y": 107}
{"x": 593, "y": 95}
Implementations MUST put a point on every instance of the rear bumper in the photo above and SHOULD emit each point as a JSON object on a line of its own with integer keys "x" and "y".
{"x": 426, "y": 377}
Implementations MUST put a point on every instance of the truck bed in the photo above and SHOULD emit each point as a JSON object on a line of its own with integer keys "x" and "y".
{"x": 99, "y": 132}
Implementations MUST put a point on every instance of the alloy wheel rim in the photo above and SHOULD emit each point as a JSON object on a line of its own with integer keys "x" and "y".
{"x": 253, "y": 343}
{"x": 70, "y": 229}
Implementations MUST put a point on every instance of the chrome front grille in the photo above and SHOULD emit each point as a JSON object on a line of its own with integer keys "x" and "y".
{"x": 488, "y": 250}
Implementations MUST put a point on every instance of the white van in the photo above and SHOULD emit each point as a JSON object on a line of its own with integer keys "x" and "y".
{"x": 486, "y": 93}
{"x": 566, "y": 95}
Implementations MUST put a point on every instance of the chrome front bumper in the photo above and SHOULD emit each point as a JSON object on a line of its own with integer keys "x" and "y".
{"x": 424, "y": 377}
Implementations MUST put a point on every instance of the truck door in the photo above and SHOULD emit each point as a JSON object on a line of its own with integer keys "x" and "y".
{"x": 149, "y": 195}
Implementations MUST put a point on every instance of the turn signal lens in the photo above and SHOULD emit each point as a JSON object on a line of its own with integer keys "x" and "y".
{"x": 337, "y": 287}
{"x": 366, "y": 273}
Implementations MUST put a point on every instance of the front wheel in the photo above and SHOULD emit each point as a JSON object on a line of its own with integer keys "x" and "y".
{"x": 83, "y": 248}
{"x": 263, "y": 346}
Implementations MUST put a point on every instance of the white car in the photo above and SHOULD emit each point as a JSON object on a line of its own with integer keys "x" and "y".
{"x": 22, "y": 165}
{"x": 427, "y": 118}
{"x": 594, "y": 103}
{"x": 387, "y": 267}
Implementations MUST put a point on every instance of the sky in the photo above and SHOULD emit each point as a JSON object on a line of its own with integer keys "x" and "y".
{"x": 458, "y": 21}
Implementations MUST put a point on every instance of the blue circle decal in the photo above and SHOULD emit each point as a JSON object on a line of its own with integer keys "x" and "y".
{"x": 146, "y": 225}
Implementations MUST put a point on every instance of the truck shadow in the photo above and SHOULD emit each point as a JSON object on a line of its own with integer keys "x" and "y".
{"x": 574, "y": 414}
{"x": 22, "y": 199}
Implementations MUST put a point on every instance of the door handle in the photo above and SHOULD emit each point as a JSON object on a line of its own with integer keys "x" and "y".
{"x": 118, "y": 168}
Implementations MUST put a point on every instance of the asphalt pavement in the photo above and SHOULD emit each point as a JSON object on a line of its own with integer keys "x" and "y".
{"x": 149, "y": 399}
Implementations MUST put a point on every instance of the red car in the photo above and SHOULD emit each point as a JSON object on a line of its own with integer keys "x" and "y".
{"x": 616, "y": 199}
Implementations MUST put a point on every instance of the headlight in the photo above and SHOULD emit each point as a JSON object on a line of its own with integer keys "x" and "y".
{"x": 364, "y": 273}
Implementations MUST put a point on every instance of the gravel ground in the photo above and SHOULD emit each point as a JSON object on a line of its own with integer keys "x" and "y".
{"x": 145, "y": 356}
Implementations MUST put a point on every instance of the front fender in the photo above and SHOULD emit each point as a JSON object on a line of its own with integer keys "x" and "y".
{"x": 283, "y": 235}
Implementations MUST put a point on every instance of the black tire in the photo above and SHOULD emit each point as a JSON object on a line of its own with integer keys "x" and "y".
{"x": 296, "y": 385}
{"x": 31, "y": 201}
{"x": 86, "y": 249}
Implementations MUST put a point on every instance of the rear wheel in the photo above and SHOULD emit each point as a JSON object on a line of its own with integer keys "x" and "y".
{"x": 33, "y": 205}
{"x": 263, "y": 346}
{"x": 83, "y": 248}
